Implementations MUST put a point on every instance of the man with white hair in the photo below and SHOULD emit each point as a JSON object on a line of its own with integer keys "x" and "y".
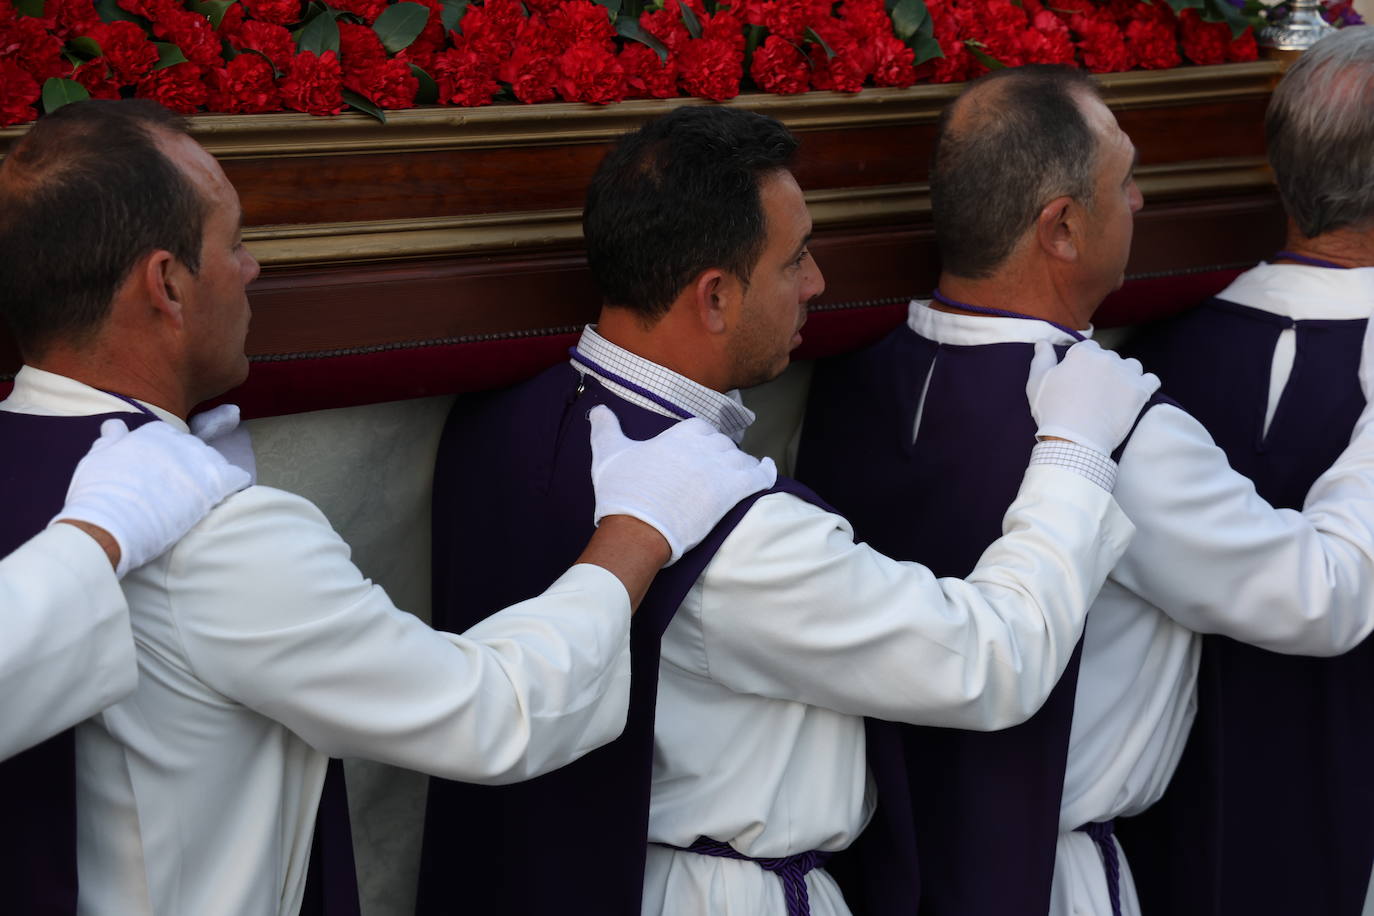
{"x": 1272, "y": 808}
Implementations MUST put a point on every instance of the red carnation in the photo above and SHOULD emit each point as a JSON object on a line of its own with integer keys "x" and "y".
{"x": 588, "y": 73}
{"x": 647, "y": 77}
{"x": 96, "y": 77}
{"x": 359, "y": 48}
{"x": 1101, "y": 44}
{"x": 841, "y": 73}
{"x": 581, "y": 22}
{"x": 389, "y": 83}
{"x": 432, "y": 37}
{"x": 277, "y": 12}
{"x": 1051, "y": 45}
{"x": 1153, "y": 43}
{"x": 465, "y": 77}
{"x": 126, "y": 48}
{"x": 25, "y": 42}
{"x": 725, "y": 27}
{"x": 895, "y": 62}
{"x": 18, "y": 92}
{"x": 1243, "y": 48}
{"x": 1204, "y": 42}
{"x": 666, "y": 25}
{"x": 232, "y": 20}
{"x": 780, "y": 67}
{"x": 710, "y": 68}
{"x": 493, "y": 27}
{"x": 531, "y": 74}
{"x": 314, "y": 84}
{"x": 366, "y": 10}
{"x": 244, "y": 85}
{"x": 543, "y": 7}
{"x": 179, "y": 87}
{"x": 148, "y": 9}
{"x": 274, "y": 41}
{"x": 71, "y": 17}
{"x": 191, "y": 32}
{"x": 786, "y": 18}
{"x": 866, "y": 17}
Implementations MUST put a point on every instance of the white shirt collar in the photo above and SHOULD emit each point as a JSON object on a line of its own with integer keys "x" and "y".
{"x": 960, "y": 330}
{"x": 37, "y": 391}
{"x": 726, "y": 412}
{"x": 1301, "y": 292}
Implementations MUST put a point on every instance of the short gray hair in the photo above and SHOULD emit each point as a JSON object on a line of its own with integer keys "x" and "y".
{"x": 1320, "y": 130}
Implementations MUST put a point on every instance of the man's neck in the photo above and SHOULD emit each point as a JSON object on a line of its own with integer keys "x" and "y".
{"x": 670, "y": 342}
{"x": 1346, "y": 247}
{"x": 1009, "y": 294}
{"x": 128, "y": 380}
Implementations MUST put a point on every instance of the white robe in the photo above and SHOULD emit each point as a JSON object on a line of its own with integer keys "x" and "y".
{"x": 794, "y": 633}
{"x": 262, "y": 651}
{"x": 66, "y": 650}
{"x": 1209, "y": 556}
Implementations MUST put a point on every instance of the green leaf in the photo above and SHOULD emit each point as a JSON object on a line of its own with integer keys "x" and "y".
{"x": 452, "y": 13}
{"x": 689, "y": 19}
{"x": 400, "y": 24}
{"x": 364, "y": 105}
{"x": 428, "y": 93}
{"x": 320, "y": 34}
{"x": 110, "y": 11}
{"x": 629, "y": 28}
{"x": 32, "y": 8}
{"x": 908, "y": 18}
{"x": 612, "y": 5}
{"x": 810, "y": 35}
{"x": 168, "y": 55}
{"x": 58, "y": 92}
{"x": 983, "y": 57}
{"x": 213, "y": 10}
{"x": 926, "y": 48}
{"x": 86, "y": 46}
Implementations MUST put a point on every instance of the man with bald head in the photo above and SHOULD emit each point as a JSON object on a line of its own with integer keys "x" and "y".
{"x": 1033, "y": 194}
{"x": 261, "y": 649}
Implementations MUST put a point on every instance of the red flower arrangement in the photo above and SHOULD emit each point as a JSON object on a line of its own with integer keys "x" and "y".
{"x": 322, "y": 56}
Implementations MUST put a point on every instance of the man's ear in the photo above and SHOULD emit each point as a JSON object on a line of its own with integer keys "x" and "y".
{"x": 1058, "y": 228}
{"x": 714, "y": 292}
{"x": 165, "y": 282}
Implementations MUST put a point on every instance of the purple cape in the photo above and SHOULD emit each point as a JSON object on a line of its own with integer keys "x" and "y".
{"x": 38, "y": 844}
{"x": 512, "y": 511}
{"x": 985, "y": 805}
{"x": 1271, "y": 810}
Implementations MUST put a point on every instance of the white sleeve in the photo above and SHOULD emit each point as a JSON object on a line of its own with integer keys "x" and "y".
{"x": 1217, "y": 558}
{"x": 792, "y": 608}
{"x": 273, "y": 615}
{"x": 67, "y": 650}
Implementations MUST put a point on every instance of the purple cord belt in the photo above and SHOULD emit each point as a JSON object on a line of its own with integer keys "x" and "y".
{"x": 791, "y": 870}
{"x": 1102, "y": 833}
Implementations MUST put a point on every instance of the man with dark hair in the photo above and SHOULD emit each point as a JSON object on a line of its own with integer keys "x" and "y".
{"x": 1278, "y": 776}
{"x": 940, "y": 465}
{"x": 261, "y": 648}
{"x": 755, "y": 661}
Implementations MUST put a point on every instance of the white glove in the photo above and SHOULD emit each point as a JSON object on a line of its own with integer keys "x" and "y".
{"x": 681, "y": 482}
{"x": 147, "y": 488}
{"x": 1367, "y": 363}
{"x": 219, "y": 428}
{"x": 1093, "y": 397}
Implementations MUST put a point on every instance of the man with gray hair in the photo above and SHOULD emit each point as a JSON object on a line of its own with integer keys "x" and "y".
{"x": 1278, "y": 777}
{"x": 941, "y": 424}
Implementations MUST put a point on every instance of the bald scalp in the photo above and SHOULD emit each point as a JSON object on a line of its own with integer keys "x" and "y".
{"x": 85, "y": 194}
{"x": 1012, "y": 142}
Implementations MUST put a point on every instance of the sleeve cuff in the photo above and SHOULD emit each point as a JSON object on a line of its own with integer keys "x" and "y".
{"x": 1080, "y": 459}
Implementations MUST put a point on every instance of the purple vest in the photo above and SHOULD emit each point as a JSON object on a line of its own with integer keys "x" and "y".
{"x": 985, "y": 805}
{"x": 1271, "y": 810}
{"x": 38, "y": 844}
{"x": 512, "y": 511}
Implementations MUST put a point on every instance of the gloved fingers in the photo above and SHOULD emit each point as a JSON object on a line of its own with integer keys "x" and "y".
{"x": 607, "y": 438}
{"x": 211, "y": 424}
{"x": 111, "y": 431}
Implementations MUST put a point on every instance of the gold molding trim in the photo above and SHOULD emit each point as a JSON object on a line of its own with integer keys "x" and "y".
{"x": 410, "y": 239}
{"x": 438, "y": 128}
